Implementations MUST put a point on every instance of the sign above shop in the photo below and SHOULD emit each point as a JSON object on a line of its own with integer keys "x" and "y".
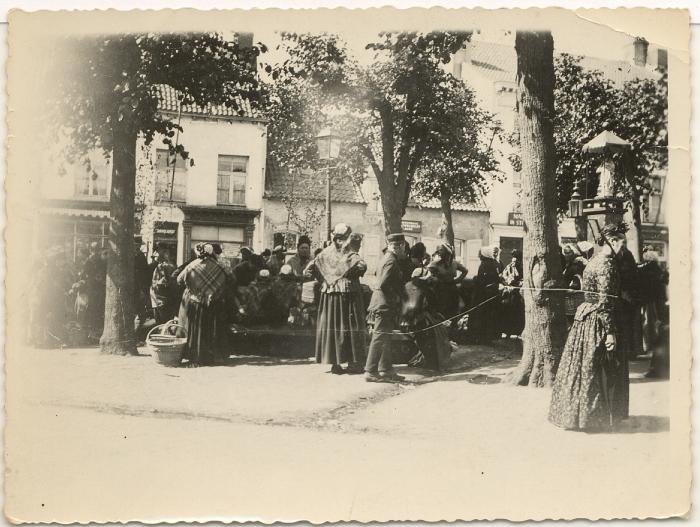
{"x": 165, "y": 230}
{"x": 411, "y": 226}
{"x": 515, "y": 219}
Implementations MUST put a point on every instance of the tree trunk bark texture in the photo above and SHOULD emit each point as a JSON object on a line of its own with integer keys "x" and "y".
{"x": 446, "y": 206}
{"x": 544, "y": 333}
{"x": 118, "y": 334}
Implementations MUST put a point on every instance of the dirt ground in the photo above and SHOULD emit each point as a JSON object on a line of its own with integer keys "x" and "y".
{"x": 264, "y": 438}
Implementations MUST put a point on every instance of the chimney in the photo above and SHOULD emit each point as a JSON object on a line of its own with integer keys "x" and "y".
{"x": 641, "y": 48}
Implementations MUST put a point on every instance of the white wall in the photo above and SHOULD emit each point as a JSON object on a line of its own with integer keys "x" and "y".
{"x": 205, "y": 140}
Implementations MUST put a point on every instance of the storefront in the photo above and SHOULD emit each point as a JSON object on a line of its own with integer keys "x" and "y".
{"x": 231, "y": 228}
{"x": 165, "y": 238}
{"x": 72, "y": 227}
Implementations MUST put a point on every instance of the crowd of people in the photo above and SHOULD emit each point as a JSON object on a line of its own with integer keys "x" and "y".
{"x": 419, "y": 305}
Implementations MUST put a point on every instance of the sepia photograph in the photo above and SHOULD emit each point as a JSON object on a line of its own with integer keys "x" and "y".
{"x": 348, "y": 265}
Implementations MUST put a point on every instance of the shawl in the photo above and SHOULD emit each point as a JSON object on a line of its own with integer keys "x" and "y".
{"x": 333, "y": 264}
{"x": 206, "y": 279}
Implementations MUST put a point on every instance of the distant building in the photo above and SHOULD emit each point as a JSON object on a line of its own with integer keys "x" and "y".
{"x": 360, "y": 207}
{"x": 217, "y": 197}
{"x": 490, "y": 69}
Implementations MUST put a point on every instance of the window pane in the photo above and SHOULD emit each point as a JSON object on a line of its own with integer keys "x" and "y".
{"x": 231, "y": 234}
{"x": 228, "y": 164}
{"x": 205, "y": 232}
{"x": 223, "y": 188}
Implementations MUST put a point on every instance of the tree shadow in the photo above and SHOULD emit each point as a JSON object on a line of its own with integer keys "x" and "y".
{"x": 259, "y": 360}
{"x": 643, "y": 424}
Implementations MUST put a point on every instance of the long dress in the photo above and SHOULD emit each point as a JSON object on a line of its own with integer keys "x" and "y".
{"x": 512, "y": 304}
{"x": 423, "y": 321}
{"x": 341, "y": 327}
{"x": 483, "y": 320}
{"x": 205, "y": 281}
{"x": 591, "y": 389}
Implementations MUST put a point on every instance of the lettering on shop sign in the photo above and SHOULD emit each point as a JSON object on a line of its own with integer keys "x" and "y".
{"x": 515, "y": 219}
{"x": 411, "y": 226}
{"x": 165, "y": 230}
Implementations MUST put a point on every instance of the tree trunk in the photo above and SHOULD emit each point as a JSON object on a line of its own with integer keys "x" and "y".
{"x": 392, "y": 209}
{"x": 118, "y": 335}
{"x": 446, "y": 206}
{"x": 544, "y": 332}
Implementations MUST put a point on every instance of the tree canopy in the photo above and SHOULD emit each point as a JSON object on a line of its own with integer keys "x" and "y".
{"x": 586, "y": 103}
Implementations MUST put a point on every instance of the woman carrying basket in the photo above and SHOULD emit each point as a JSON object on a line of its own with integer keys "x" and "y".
{"x": 205, "y": 284}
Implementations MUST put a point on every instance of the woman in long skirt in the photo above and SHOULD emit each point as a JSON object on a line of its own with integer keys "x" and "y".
{"x": 341, "y": 326}
{"x": 484, "y": 319}
{"x": 205, "y": 284}
{"x": 591, "y": 390}
{"x": 420, "y": 317}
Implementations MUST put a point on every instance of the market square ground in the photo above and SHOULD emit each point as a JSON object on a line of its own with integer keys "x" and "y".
{"x": 272, "y": 438}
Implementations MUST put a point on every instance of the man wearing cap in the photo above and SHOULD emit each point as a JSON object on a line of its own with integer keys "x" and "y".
{"x": 384, "y": 309}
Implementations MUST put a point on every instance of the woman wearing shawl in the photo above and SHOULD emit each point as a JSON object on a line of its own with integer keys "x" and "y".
{"x": 513, "y": 319}
{"x": 341, "y": 326}
{"x": 483, "y": 320}
{"x": 205, "y": 284}
{"x": 591, "y": 389}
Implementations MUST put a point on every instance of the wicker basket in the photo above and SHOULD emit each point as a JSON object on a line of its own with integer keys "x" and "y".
{"x": 166, "y": 349}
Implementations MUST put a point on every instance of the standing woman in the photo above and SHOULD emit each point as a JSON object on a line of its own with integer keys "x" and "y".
{"x": 341, "y": 326}
{"x": 483, "y": 320}
{"x": 591, "y": 390}
{"x": 205, "y": 282}
{"x": 512, "y": 304}
{"x": 448, "y": 273}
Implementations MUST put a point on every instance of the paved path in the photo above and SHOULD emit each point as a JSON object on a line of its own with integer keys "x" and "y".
{"x": 269, "y": 439}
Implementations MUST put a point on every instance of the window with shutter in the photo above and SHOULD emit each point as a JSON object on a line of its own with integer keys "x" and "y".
{"x": 232, "y": 176}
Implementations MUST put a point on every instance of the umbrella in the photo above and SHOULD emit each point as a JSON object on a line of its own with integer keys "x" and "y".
{"x": 605, "y": 141}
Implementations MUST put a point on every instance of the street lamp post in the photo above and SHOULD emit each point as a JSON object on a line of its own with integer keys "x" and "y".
{"x": 328, "y": 144}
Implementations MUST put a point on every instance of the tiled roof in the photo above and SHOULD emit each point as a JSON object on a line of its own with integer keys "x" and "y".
{"x": 479, "y": 205}
{"x": 168, "y": 102}
{"x": 498, "y": 62}
{"x": 279, "y": 183}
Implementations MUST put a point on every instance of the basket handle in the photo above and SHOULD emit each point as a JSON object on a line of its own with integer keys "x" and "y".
{"x": 166, "y": 325}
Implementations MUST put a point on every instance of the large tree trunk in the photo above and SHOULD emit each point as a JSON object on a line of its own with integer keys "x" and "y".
{"x": 118, "y": 335}
{"x": 446, "y": 207}
{"x": 544, "y": 332}
{"x": 392, "y": 209}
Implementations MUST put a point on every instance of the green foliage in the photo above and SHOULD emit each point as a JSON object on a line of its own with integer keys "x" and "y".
{"x": 461, "y": 163}
{"x": 586, "y": 103}
{"x": 111, "y": 81}
{"x": 389, "y": 112}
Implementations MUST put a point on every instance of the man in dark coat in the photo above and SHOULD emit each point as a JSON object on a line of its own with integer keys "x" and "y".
{"x": 384, "y": 310}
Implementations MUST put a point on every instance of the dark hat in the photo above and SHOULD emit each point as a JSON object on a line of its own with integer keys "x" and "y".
{"x": 246, "y": 250}
{"x": 303, "y": 239}
{"x": 396, "y": 237}
{"x": 217, "y": 248}
{"x": 266, "y": 252}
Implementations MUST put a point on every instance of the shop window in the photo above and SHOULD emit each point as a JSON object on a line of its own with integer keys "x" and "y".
{"x": 231, "y": 240}
{"x": 231, "y": 180}
{"x": 165, "y": 179}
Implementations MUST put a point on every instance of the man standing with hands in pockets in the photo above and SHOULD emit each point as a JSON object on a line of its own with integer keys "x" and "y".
{"x": 384, "y": 310}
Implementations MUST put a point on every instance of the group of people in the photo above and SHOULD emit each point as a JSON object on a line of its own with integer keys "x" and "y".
{"x": 591, "y": 389}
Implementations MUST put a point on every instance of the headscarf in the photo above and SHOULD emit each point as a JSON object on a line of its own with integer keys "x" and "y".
{"x": 341, "y": 231}
{"x": 486, "y": 252}
{"x": 204, "y": 250}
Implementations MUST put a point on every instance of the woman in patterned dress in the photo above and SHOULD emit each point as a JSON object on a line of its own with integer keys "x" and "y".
{"x": 591, "y": 389}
